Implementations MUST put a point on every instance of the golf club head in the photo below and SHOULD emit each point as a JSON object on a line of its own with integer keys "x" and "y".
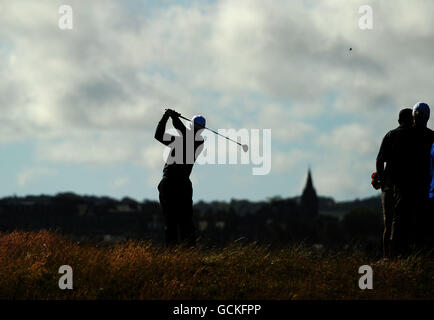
{"x": 245, "y": 147}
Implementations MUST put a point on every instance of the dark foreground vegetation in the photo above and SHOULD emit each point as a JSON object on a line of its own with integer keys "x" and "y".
{"x": 29, "y": 264}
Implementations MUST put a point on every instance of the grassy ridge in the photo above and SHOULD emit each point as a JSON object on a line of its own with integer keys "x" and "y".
{"x": 29, "y": 264}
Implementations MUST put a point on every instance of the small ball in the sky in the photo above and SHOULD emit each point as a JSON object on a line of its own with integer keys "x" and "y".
{"x": 351, "y": 49}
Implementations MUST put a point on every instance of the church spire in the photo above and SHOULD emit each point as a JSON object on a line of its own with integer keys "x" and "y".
{"x": 309, "y": 199}
{"x": 309, "y": 182}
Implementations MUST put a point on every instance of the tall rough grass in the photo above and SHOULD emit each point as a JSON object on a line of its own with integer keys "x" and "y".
{"x": 29, "y": 264}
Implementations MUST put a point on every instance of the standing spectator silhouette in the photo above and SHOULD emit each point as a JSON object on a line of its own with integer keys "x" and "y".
{"x": 175, "y": 188}
{"x": 411, "y": 179}
{"x": 405, "y": 121}
{"x": 423, "y": 139}
{"x": 431, "y": 191}
{"x": 431, "y": 200}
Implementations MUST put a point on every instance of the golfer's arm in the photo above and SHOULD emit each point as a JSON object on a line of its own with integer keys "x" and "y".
{"x": 178, "y": 125}
{"x": 161, "y": 128}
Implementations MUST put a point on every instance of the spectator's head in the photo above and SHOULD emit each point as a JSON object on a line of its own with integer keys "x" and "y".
{"x": 405, "y": 117}
{"x": 421, "y": 114}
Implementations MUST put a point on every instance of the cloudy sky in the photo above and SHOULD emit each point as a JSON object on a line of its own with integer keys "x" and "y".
{"x": 79, "y": 107}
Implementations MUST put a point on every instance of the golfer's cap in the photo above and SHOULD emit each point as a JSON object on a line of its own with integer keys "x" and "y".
{"x": 421, "y": 109}
{"x": 199, "y": 120}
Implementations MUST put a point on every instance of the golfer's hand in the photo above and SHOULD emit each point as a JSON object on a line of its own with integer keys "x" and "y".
{"x": 172, "y": 113}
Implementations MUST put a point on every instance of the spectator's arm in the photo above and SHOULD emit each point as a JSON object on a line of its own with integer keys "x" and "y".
{"x": 382, "y": 157}
{"x": 380, "y": 168}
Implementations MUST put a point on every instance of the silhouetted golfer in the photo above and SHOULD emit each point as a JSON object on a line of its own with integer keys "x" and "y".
{"x": 175, "y": 188}
{"x": 411, "y": 178}
{"x": 385, "y": 153}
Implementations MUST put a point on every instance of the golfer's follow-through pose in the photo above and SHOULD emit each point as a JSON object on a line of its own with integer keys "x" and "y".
{"x": 175, "y": 188}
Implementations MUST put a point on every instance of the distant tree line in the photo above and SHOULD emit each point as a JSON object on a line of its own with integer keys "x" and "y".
{"x": 276, "y": 221}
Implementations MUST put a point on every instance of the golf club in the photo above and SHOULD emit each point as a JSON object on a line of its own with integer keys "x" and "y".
{"x": 245, "y": 147}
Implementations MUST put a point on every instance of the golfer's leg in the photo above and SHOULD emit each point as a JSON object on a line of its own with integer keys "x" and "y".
{"x": 171, "y": 232}
{"x": 170, "y": 225}
{"x": 186, "y": 225}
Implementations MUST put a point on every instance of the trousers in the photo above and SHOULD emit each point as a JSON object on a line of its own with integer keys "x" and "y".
{"x": 176, "y": 201}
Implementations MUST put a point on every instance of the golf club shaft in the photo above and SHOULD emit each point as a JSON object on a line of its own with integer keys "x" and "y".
{"x": 214, "y": 132}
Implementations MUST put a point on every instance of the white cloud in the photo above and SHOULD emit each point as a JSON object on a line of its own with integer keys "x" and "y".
{"x": 286, "y": 162}
{"x": 95, "y": 94}
{"x": 120, "y": 182}
{"x": 349, "y": 139}
{"x": 31, "y": 175}
{"x": 107, "y": 76}
{"x": 153, "y": 156}
{"x": 99, "y": 150}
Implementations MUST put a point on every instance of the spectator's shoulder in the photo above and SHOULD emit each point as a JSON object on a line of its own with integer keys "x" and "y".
{"x": 427, "y": 131}
{"x": 392, "y": 132}
{"x": 431, "y": 132}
